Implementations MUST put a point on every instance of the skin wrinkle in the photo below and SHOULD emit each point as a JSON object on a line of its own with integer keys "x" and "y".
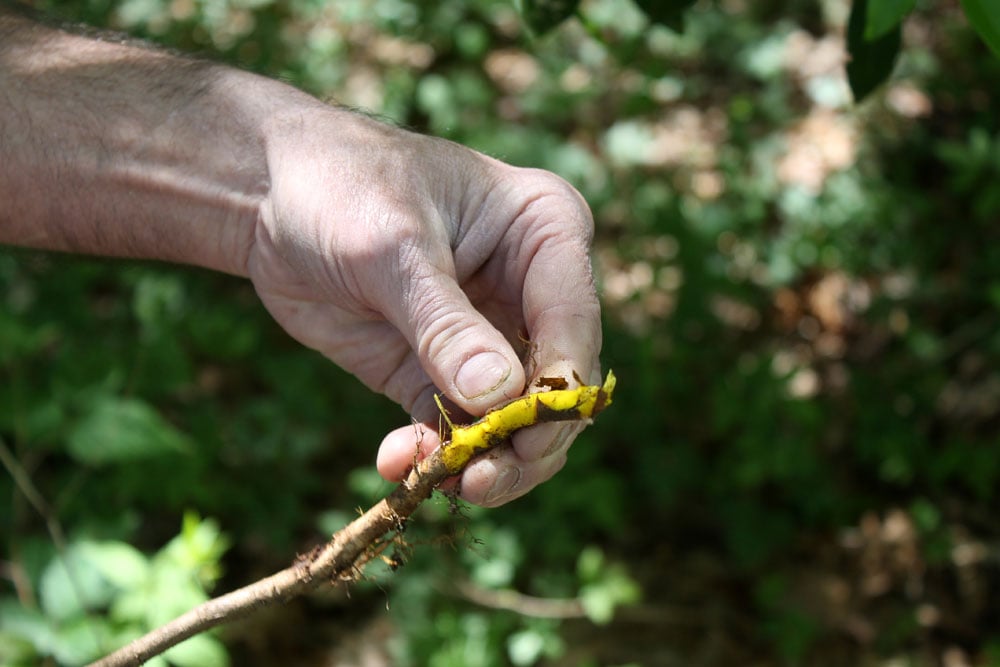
{"x": 407, "y": 383}
{"x": 436, "y": 323}
{"x": 469, "y": 207}
{"x": 539, "y": 231}
{"x": 478, "y": 244}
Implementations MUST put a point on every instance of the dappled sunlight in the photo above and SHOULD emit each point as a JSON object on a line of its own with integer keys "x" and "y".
{"x": 800, "y": 296}
{"x": 817, "y": 146}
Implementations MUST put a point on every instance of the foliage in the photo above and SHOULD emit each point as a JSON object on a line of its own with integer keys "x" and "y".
{"x": 95, "y": 595}
{"x": 875, "y": 31}
{"x": 802, "y": 305}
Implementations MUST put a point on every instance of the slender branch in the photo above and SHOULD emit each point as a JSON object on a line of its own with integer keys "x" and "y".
{"x": 331, "y": 562}
{"x": 37, "y": 501}
{"x": 345, "y": 553}
{"x": 521, "y": 603}
{"x": 31, "y": 493}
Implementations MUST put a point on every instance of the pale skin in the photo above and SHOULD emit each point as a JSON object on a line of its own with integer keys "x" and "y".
{"x": 412, "y": 262}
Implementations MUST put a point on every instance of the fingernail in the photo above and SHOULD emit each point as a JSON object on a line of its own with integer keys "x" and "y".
{"x": 482, "y": 374}
{"x": 505, "y": 483}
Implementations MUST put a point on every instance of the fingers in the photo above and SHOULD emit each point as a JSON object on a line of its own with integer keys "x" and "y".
{"x": 401, "y": 448}
{"x": 545, "y": 252}
{"x": 496, "y": 478}
{"x": 501, "y": 477}
{"x": 561, "y": 309}
{"x": 462, "y": 353}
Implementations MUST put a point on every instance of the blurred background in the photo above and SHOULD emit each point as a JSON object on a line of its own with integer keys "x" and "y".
{"x": 802, "y": 305}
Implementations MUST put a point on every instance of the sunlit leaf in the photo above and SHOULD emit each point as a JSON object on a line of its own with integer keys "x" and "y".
{"x": 605, "y": 585}
{"x": 984, "y": 16}
{"x": 72, "y": 584}
{"x": 81, "y": 640}
{"x": 871, "y": 62}
{"x": 526, "y": 647}
{"x": 196, "y": 551}
{"x": 121, "y": 564}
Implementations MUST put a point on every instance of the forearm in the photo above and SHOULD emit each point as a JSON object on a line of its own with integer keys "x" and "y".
{"x": 114, "y": 149}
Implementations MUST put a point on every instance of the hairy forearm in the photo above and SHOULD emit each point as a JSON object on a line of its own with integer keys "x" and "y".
{"x": 111, "y": 148}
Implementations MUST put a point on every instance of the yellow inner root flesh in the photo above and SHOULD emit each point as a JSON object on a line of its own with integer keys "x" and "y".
{"x": 497, "y": 425}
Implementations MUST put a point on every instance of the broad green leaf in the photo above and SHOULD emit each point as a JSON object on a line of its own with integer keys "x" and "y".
{"x": 121, "y": 564}
{"x": 117, "y": 429}
{"x": 884, "y": 15}
{"x": 72, "y": 584}
{"x": 172, "y": 592}
{"x": 89, "y": 575}
{"x": 871, "y": 62}
{"x": 669, "y": 13}
{"x": 81, "y": 640}
{"x": 984, "y": 16}
{"x": 541, "y": 16}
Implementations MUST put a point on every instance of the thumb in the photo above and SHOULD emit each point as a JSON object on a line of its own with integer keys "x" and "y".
{"x": 465, "y": 356}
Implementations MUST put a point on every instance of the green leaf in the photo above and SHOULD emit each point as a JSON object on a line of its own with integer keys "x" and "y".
{"x": 984, "y": 16}
{"x": 15, "y": 650}
{"x": 89, "y": 576}
{"x": 123, "y": 429}
{"x": 884, "y": 15}
{"x": 72, "y": 583}
{"x": 198, "y": 651}
{"x": 871, "y": 62}
{"x": 541, "y": 16}
{"x": 81, "y": 641}
{"x": 589, "y": 564}
{"x": 669, "y": 13}
{"x": 196, "y": 551}
{"x": 24, "y": 631}
{"x": 605, "y": 585}
{"x": 121, "y": 564}
{"x": 598, "y": 604}
{"x": 526, "y": 647}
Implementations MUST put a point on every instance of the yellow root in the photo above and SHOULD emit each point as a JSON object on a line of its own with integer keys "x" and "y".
{"x": 499, "y": 424}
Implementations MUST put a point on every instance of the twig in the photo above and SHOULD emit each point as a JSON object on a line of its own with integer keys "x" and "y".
{"x": 333, "y": 561}
{"x": 339, "y": 558}
{"x": 521, "y": 603}
{"x": 27, "y": 488}
{"x": 37, "y": 501}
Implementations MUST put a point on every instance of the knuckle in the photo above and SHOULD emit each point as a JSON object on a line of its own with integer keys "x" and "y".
{"x": 554, "y": 194}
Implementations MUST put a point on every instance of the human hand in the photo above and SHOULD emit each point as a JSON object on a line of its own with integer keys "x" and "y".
{"x": 419, "y": 265}
{"x": 412, "y": 262}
